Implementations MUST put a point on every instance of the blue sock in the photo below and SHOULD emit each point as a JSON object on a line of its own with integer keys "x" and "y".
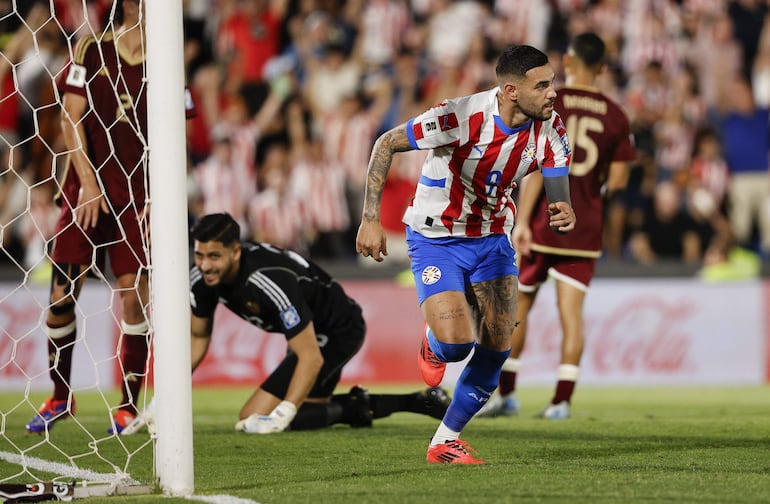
{"x": 448, "y": 352}
{"x": 474, "y": 386}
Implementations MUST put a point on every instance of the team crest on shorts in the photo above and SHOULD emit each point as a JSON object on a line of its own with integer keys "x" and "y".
{"x": 431, "y": 275}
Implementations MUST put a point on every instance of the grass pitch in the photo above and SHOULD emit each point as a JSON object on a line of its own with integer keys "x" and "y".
{"x": 699, "y": 445}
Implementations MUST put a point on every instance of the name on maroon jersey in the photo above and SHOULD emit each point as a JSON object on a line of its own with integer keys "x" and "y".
{"x": 585, "y": 103}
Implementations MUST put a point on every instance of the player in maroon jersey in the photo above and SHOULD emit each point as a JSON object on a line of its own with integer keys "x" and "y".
{"x": 602, "y": 147}
{"x": 102, "y": 199}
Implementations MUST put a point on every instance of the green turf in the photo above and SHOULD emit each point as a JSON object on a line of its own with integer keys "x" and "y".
{"x": 622, "y": 445}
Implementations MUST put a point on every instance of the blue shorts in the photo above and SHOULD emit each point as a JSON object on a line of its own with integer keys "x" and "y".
{"x": 450, "y": 264}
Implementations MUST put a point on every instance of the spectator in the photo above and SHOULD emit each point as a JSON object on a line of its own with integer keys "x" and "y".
{"x": 320, "y": 182}
{"x": 673, "y": 145}
{"x": 276, "y": 214}
{"x": 243, "y": 131}
{"x": 247, "y": 38}
{"x": 715, "y": 38}
{"x": 349, "y": 132}
{"x": 217, "y": 178}
{"x": 29, "y": 127}
{"x": 668, "y": 233}
{"x": 707, "y": 185}
{"x": 383, "y": 25}
{"x": 335, "y": 77}
{"x": 748, "y": 16}
{"x": 745, "y": 132}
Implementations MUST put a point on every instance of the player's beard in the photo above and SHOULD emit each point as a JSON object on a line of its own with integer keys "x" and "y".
{"x": 220, "y": 275}
{"x": 543, "y": 113}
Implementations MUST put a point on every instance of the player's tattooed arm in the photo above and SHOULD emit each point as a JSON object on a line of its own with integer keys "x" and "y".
{"x": 390, "y": 142}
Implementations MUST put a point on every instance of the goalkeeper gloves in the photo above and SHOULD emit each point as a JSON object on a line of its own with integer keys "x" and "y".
{"x": 277, "y": 421}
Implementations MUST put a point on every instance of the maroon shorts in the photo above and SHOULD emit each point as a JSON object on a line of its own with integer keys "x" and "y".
{"x": 534, "y": 270}
{"x": 120, "y": 239}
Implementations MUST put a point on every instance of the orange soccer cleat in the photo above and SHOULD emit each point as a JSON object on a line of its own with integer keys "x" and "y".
{"x": 121, "y": 419}
{"x": 452, "y": 452}
{"x": 49, "y": 413}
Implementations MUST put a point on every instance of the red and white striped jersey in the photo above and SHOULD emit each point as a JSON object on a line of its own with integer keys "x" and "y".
{"x": 220, "y": 189}
{"x": 278, "y": 219}
{"x": 244, "y": 140}
{"x": 475, "y": 163}
{"x": 713, "y": 175}
{"x": 384, "y": 24}
{"x": 320, "y": 183}
{"x": 350, "y": 140}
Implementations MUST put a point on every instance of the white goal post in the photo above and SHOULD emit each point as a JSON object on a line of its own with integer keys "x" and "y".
{"x": 169, "y": 274}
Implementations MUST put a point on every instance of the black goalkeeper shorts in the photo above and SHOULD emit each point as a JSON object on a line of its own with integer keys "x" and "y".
{"x": 337, "y": 348}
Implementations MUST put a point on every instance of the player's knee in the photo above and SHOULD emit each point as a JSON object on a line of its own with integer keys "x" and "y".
{"x": 63, "y": 291}
{"x": 56, "y": 333}
{"x": 64, "y": 277}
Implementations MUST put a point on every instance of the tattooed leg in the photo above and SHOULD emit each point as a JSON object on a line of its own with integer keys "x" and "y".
{"x": 496, "y": 301}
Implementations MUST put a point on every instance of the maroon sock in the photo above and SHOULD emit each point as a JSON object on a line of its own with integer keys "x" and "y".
{"x": 564, "y": 391}
{"x": 134, "y": 359}
{"x": 60, "y": 363}
{"x": 507, "y": 382}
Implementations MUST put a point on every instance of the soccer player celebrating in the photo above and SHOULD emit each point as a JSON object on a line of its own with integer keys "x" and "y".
{"x": 102, "y": 198}
{"x": 459, "y": 224}
{"x": 602, "y": 146}
{"x": 280, "y": 291}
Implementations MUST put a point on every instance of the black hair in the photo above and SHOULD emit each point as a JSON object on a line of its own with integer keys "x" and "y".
{"x": 589, "y": 48}
{"x": 519, "y": 59}
{"x": 219, "y": 227}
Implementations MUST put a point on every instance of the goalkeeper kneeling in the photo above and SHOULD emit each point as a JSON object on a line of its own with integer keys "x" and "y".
{"x": 280, "y": 291}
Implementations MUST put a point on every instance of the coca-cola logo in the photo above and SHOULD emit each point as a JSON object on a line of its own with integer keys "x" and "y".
{"x": 643, "y": 334}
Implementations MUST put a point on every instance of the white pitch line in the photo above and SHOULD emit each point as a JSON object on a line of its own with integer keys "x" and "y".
{"x": 93, "y": 476}
{"x": 66, "y": 470}
{"x": 221, "y": 499}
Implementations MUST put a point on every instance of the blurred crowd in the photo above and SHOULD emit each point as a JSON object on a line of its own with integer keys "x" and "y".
{"x": 291, "y": 95}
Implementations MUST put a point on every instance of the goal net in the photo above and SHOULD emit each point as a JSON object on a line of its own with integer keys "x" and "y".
{"x": 85, "y": 371}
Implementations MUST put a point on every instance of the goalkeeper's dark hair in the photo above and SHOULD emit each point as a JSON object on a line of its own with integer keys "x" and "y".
{"x": 589, "y": 48}
{"x": 517, "y": 60}
{"x": 220, "y": 227}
